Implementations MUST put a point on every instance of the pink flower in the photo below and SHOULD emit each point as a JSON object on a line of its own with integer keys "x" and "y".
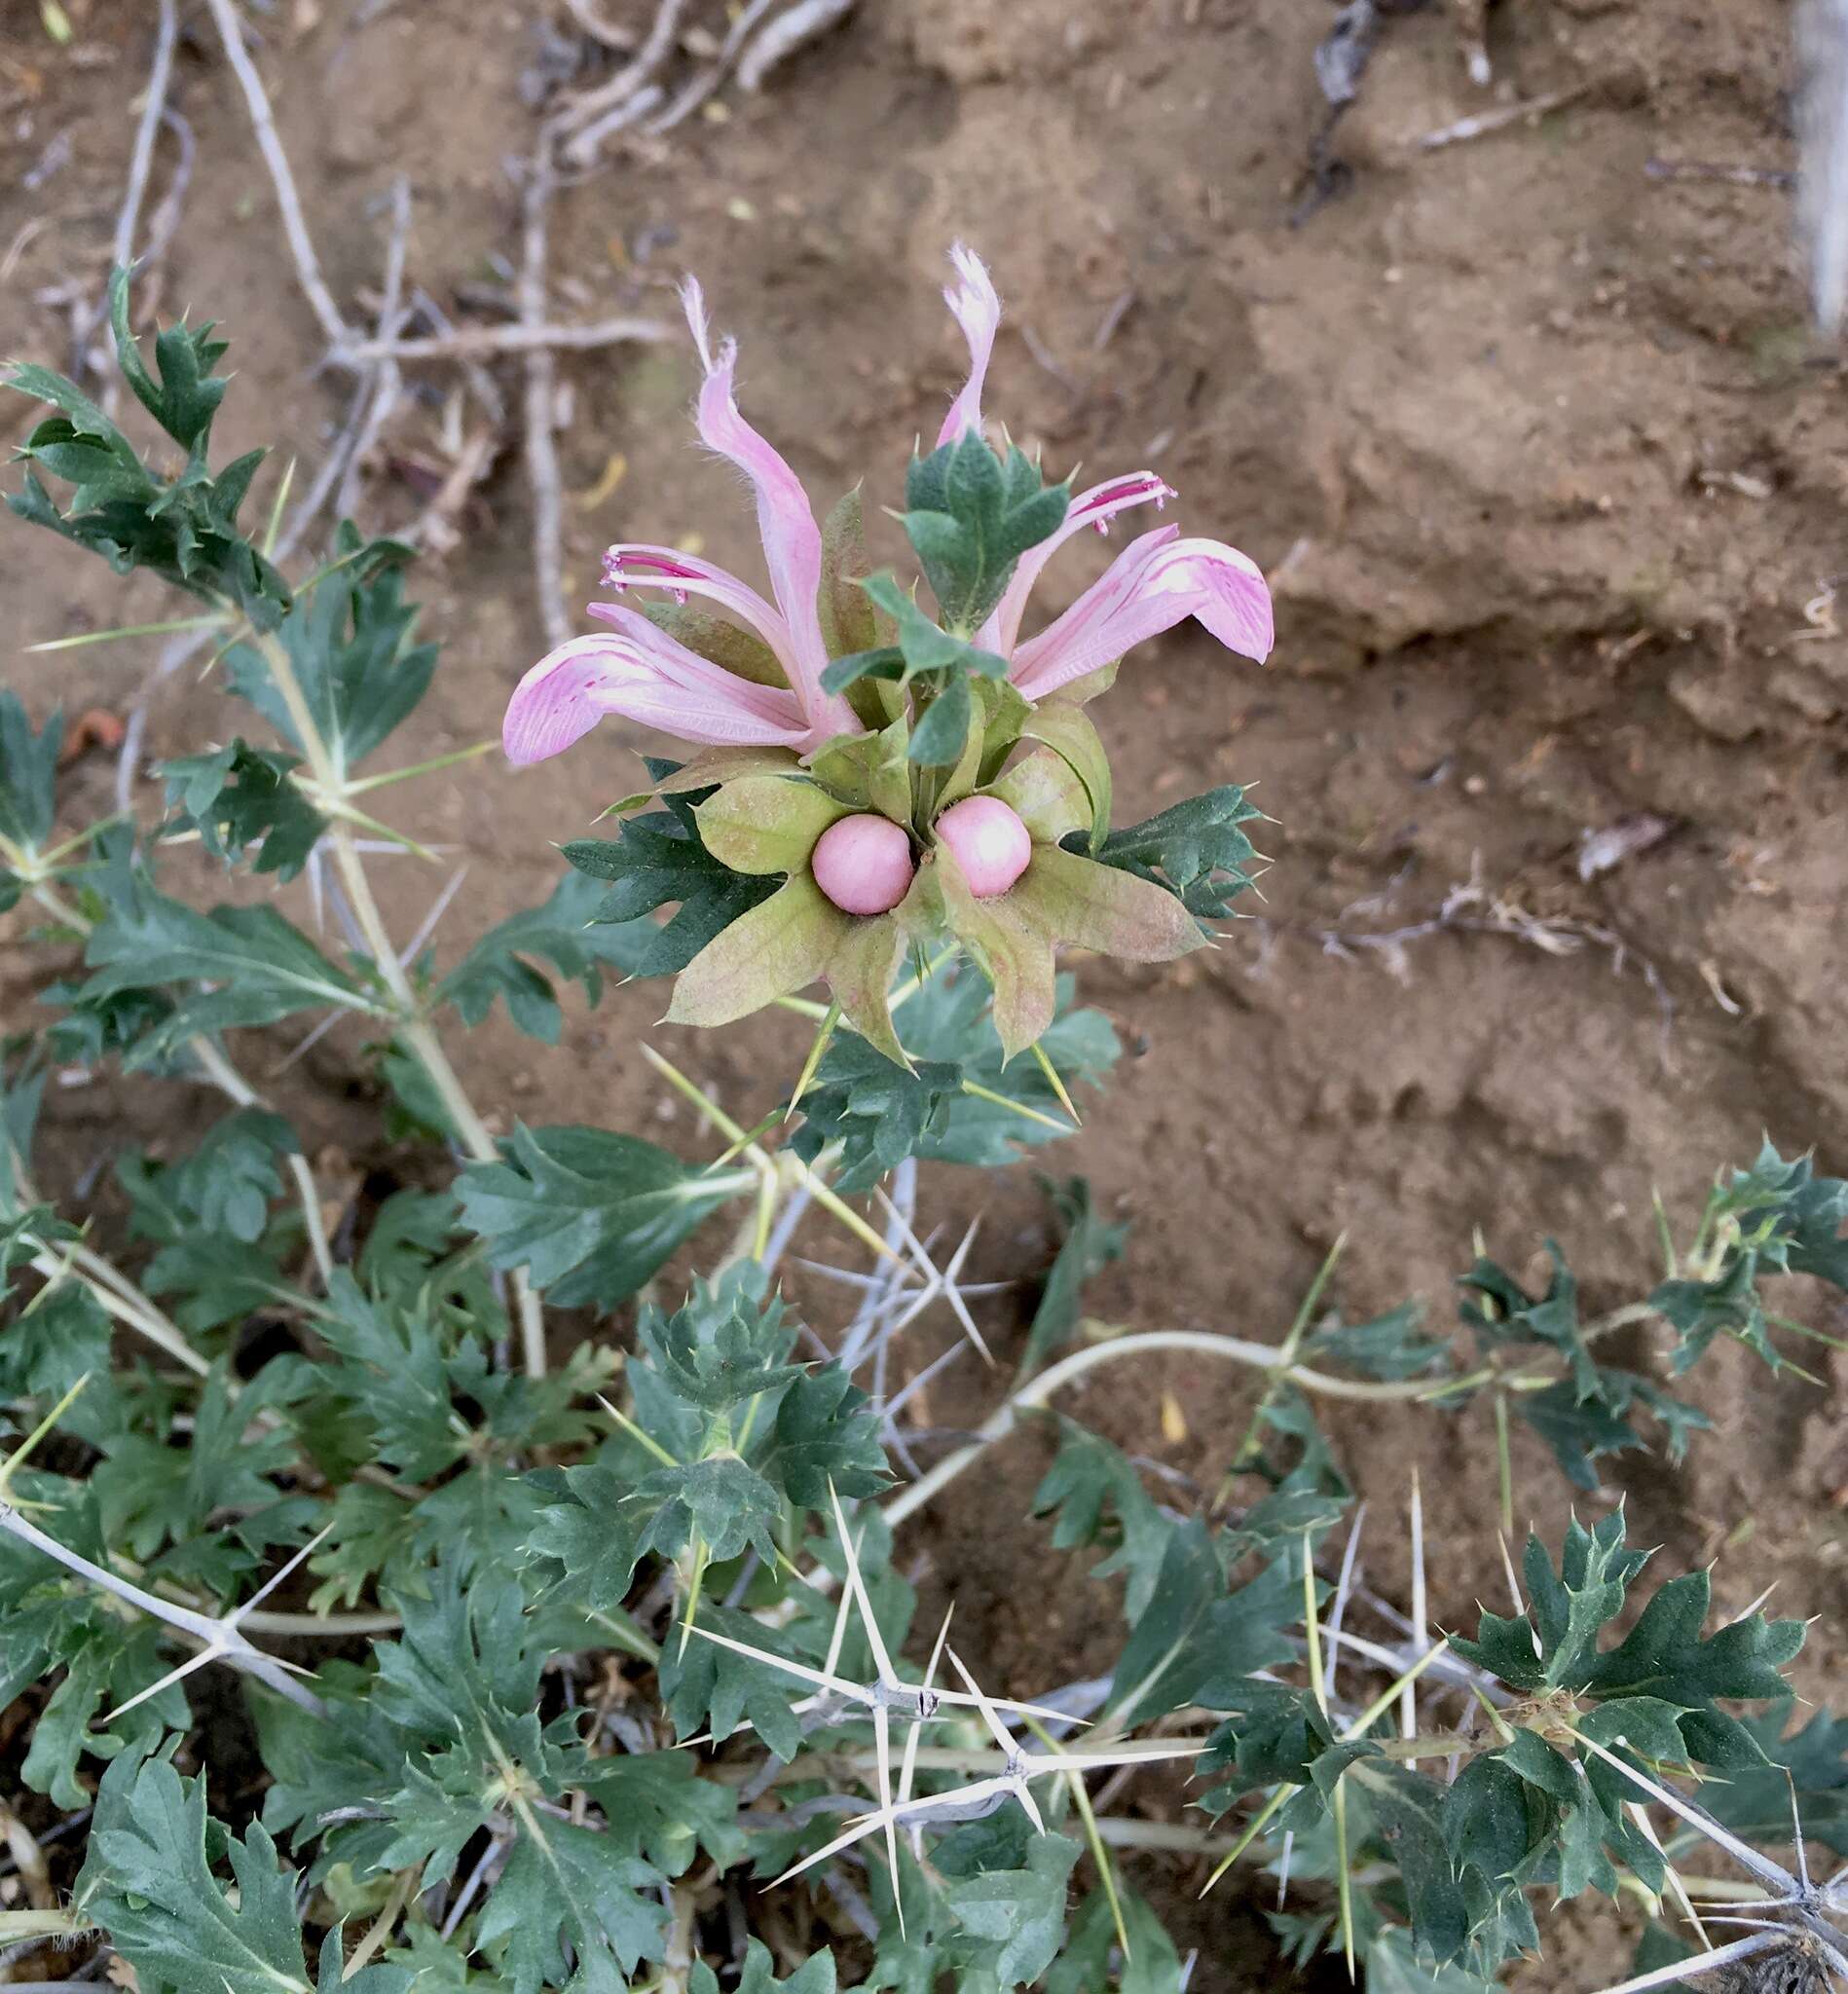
{"x": 1154, "y": 583}
{"x": 640, "y": 671}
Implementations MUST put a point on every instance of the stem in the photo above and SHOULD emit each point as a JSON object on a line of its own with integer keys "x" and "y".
{"x": 1261, "y": 1356}
{"x": 218, "y": 1636}
{"x": 416, "y": 1031}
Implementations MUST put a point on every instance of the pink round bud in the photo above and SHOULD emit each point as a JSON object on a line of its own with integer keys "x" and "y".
{"x": 989, "y": 841}
{"x": 863, "y": 864}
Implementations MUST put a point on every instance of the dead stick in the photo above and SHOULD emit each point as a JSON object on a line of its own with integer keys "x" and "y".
{"x": 476, "y": 342}
{"x": 541, "y": 396}
{"x": 588, "y": 109}
{"x": 308, "y": 270}
{"x": 1486, "y": 122}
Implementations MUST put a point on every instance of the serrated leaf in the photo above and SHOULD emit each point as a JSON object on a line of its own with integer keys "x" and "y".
{"x": 261, "y": 967}
{"x": 1394, "y": 1967}
{"x": 349, "y": 643}
{"x": 827, "y": 1434}
{"x": 240, "y": 796}
{"x": 1089, "y": 1477}
{"x": 658, "y": 860}
{"x": 29, "y": 783}
{"x": 814, "y": 1975}
{"x": 566, "y": 932}
{"x": 569, "y": 1887}
{"x": 148, "y": 1883}
{"x": 1018, "y": 1914}
{"x": 703, "y": 1683}
{"x": 590, "y": 1214}
{"x": 972, "y": 515}
{"x": 1087, "y": 1249}
{"x": 1194, "y": 849}
{"x": 1195, "y": 1642}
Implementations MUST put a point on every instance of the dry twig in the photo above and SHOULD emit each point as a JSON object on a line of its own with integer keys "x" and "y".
{"x": 308, "y": 270}
{"x": 476, "y": 342}
{"x": 803, "y": 23}
{"x": 589, "y": 118}
{"x": 541, "y": 393}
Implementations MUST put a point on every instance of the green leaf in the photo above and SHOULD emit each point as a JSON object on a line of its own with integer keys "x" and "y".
{"x": 1091, "y": 1960}
{"x": 1018, "y": 1914}
{"x": 590, "y": 1214}
{"x": 706, "y": 1685}
{"x": 942, "y": 734}
{"x": 28, "y": 785}
{"x": 1087, "y": 1476}
{"x": 571, "y": 1887}
{"x": 185, "y": 398}
{"x": 561, "y": 932}
{"x": 231, "y": 1177}
{"x": 923, "y": 646}
{"x": 1087, "y": 1249}
{"x": 658, "y": 860}
{"x": 728, "y": 1506}
{"x": 1394, "y": 1967}
{"x": 1756, "y": 1801}
{"x": 1402, "y": 1811}
{"x": 814, "y": 1975}
{"x": 261, "y": 967}
{"x": 349, "y": 643}
{"x": 1070, "y": 736}
{"x": 827, "y": 1434}
{"x": 1389, "y": 1346}
{"x": 241, "y": 796}
{"x": 972, "y": 515}
{"x": 148, "y": 1883}
{"x": 1194, "y": 849}
{"x": 184, "y": 529}
{"x": 729, "y": 1344}
{"x": 879, "y": 1114}
{"x": 1195, "y": 1642}
{"x": 394, "y": 1379}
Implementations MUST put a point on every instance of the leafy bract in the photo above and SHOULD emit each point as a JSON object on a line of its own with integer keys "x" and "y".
{"x": 658, "y": 860}
{"x": 1196, "y": 849}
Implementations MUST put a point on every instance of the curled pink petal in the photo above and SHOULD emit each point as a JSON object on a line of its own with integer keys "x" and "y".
{"x": 1094, "y": 508}
{"x": 791, "y": 540}
{"x": 976, "y": 309}
{"x": 643, "y": 675}
{"x": 632, "y": 565}
{"x": 1152, "y": 585}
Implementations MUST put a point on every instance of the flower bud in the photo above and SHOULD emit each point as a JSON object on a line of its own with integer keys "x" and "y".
{"x": 863, "y": 864}
{"x": 988, "y": 841}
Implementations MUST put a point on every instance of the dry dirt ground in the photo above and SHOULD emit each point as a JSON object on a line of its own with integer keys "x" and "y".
{"x": 1550, "y": 476}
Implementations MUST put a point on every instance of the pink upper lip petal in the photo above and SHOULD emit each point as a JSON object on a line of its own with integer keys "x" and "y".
{"x": 640, "y": 671}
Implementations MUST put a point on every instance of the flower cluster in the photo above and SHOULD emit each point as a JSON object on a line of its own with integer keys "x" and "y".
{"x": 911, "y": 778}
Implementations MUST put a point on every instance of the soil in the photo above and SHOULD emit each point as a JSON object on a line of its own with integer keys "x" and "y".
{"x": 1548, "y": 471}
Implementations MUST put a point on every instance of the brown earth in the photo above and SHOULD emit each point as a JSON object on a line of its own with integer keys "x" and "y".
{"x": 1549, "y": 474}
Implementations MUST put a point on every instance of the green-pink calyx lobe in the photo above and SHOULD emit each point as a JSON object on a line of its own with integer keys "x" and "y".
{"x": 864, "y": 863}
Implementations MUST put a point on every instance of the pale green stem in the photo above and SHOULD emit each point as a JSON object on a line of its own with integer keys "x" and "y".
{"x": 415, "y": 1029}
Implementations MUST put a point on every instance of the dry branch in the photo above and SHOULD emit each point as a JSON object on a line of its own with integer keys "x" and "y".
{"x": 474, "y": 343}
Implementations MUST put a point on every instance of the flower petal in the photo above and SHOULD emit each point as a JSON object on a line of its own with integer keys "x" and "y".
{"x": 1154, "y": 584}
{"x": 1094, "y": 508}
{"x": 634, "y": 565}
{"x": 791, "y": 540}
{"x": 977, "y": 311}
{"x": 646, "y": 677}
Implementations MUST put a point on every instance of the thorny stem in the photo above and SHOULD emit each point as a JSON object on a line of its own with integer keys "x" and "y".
{"x": 218, "y": 1636}
{"x": 415, "y": 1028}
